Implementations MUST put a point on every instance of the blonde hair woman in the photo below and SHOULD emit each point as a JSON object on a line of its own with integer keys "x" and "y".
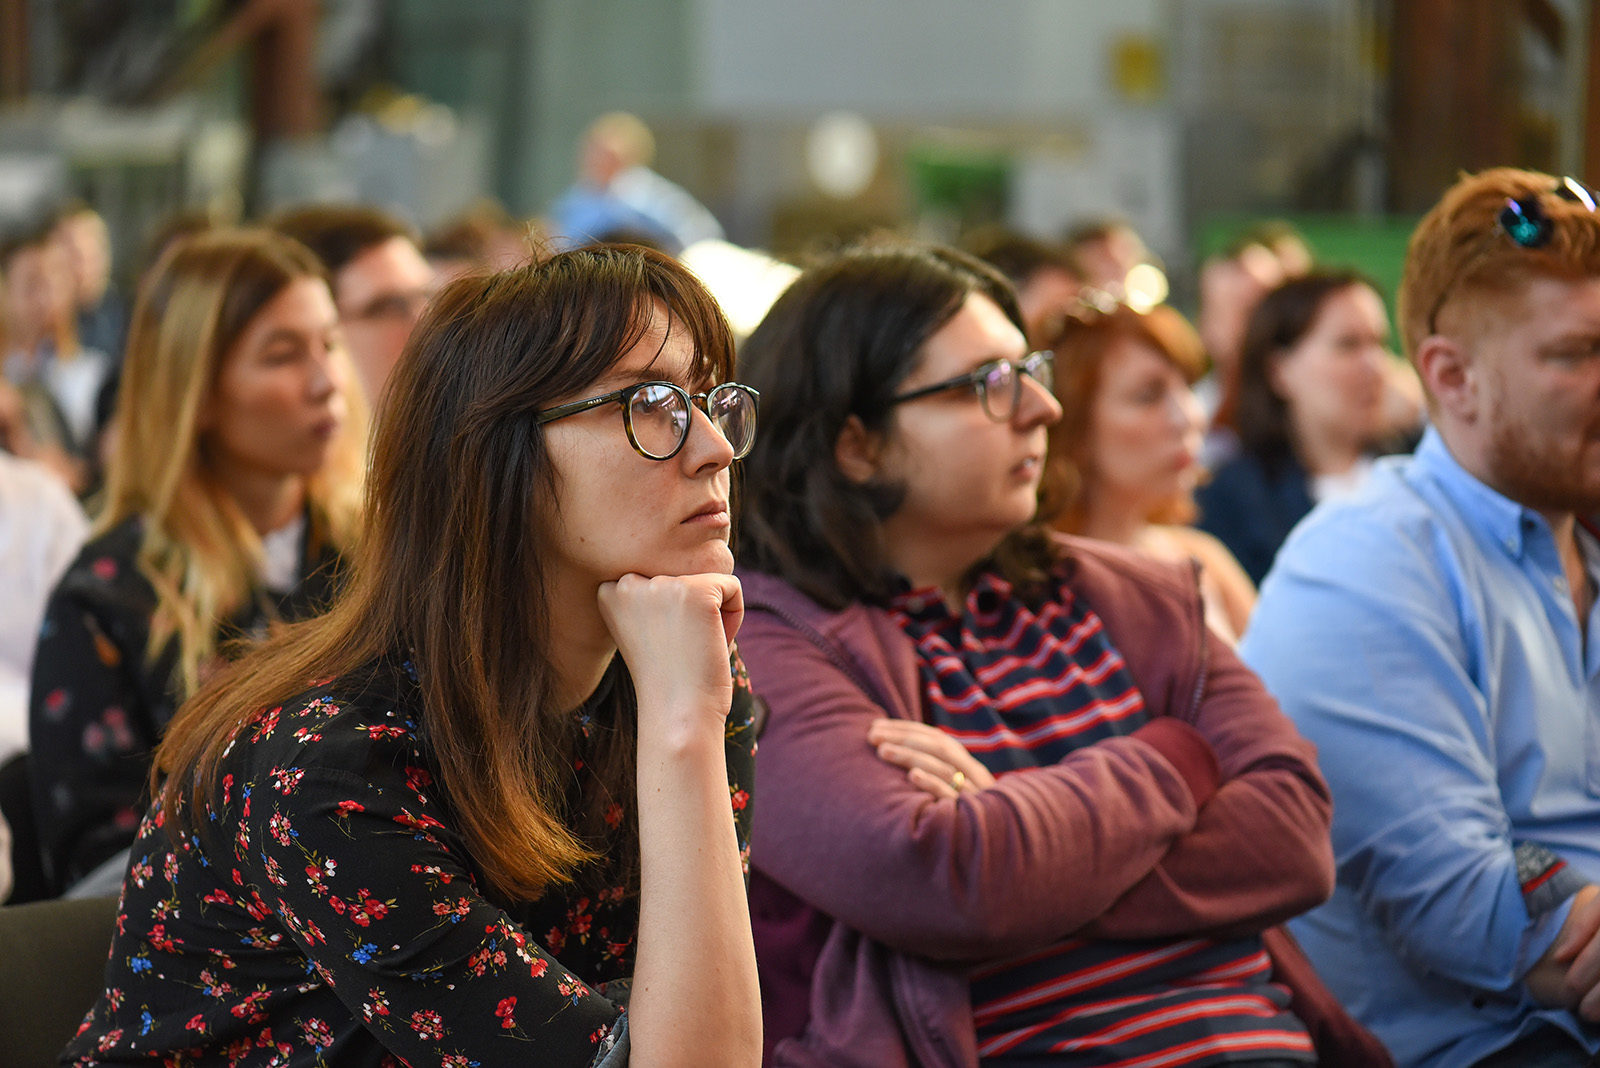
{"x": 232, "y": 492}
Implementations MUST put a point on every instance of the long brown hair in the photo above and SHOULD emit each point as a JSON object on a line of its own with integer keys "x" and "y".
{"x": 198, "y": 550}
{"x": 451, "y": 570}
{"x": 1081, "y": 351}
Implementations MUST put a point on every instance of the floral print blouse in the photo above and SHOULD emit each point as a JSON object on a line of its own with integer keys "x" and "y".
{"x": 99, "y": 701}
{"x": 329, "y": 913}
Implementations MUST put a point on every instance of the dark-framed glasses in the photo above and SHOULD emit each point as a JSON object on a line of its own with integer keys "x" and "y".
{"x": 656, "y": 415}
{"x": 1524, "y": 221}
{"x": 998, "y": 384}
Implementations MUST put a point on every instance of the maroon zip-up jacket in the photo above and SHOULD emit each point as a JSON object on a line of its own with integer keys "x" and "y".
{"x": 872, "y": 900}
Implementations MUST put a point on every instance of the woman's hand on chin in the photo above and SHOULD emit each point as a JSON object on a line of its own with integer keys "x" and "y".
{"x": 674, "y": 633}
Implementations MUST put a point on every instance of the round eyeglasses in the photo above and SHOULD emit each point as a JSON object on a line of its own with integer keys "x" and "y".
{"x": 998, "y": 384}
{"x": 656, "y": 415}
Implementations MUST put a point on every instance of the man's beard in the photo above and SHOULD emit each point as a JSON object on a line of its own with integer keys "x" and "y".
{"x": 1539, "y": 474}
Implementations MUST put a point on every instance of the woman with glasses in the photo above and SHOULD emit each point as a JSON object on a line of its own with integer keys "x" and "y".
{"x": 505, "y": 779}
{"x": 1128, "y": 446}
{"x": 1017, "y": 807}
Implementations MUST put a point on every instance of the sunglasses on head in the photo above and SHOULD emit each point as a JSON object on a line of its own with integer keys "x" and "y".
{"x": 1524, "y": 221}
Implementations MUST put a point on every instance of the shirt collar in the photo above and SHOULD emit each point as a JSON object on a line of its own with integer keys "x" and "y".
{"x": 1497, "y": 515}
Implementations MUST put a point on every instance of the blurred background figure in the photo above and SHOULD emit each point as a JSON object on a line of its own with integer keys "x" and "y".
{"x": 1232, "y": 283}
{"x": 102, "y": 316}
{"x": 616, "y": 191}
{"x": 380, "y": 279}
{"x": 58, "y": 379}
{"x": 232, "y": 492}
{"x": 485, "y": 237}
{"x": 1109, "y": 255}
{"x": 1309, "y": 411}
{"x": 1129, "y": 441}
{"x": 1045, "y": 277}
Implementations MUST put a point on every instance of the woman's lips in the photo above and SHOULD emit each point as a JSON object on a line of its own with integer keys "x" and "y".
{"x": 715, "y": 514}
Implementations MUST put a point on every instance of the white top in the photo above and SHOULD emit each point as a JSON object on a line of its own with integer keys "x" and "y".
{"x": 280, "y": 556}
{"x": 1328, "y": 487}
{"x": 41, "y": 530}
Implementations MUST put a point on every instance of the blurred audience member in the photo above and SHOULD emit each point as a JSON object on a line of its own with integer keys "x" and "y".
{"x": 232, "y": 492}
{"x": 484, "y": 238}
{"x": 58, "y": 379}
{"x": 617, "y": 191}
{"x": 1438, "y": 637}
{"x": 1129, "y": 440}
{"x": 1231, "y": 285}
{"x": 1309, "y": 412}
{"x": 102, "y": 316}
{"x": 1046, "y": 281}
{"x": 1106, "y": 252}
{"x": 380, "y": 279}
{"x": 41, "y": 528}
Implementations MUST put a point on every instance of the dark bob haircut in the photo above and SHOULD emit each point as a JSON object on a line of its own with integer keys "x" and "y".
{"x": 839, "y": 343}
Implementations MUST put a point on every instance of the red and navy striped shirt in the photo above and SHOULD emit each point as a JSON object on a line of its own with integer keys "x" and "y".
{"x": 1022, "y": 688}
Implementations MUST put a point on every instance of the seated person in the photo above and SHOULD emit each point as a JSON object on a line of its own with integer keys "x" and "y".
{"x": 1017, "y": 803}
{"x": 1436, "y": 635}
{"x": 380, "y": 280}
{"x": 234, "y": 487}
{"x": 58, "y": 378}
{"x": 519, "y": 778}
{"x": 1129, "y": 436}
{"x": 1309, "y": 410}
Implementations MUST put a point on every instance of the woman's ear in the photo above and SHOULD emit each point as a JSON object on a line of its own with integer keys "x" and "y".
{"x": 856, "y": 450}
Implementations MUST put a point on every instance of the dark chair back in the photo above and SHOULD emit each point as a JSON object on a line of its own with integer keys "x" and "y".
{"x": 52, "y": 968}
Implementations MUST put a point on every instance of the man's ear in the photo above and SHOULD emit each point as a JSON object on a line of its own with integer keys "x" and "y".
{"x": 856, "y": 451}
{"x": 1446, "y": 371}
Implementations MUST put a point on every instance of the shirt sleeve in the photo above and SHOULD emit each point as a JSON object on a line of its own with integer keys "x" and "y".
{"x": 1373, "y": 668}
{"x": 1025, "y": 862}
{"x": 371, "y": 885}
{"x": 90, "y": 739}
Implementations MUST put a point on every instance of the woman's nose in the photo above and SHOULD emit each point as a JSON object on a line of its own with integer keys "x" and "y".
{"x": 1037, "y": 406}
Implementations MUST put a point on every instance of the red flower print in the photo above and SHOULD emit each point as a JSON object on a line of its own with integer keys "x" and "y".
{"x": 378, "y": 731}
{"x": 197, "y": 1022}
{"x": 367, "y": 908}
{"x": 538, "y": 967}
{"x": 613, "y": 815}
{"x": 104, "y": 569}
{"x": 427, "y": 1024}
{"x": 375, "y": 1005}
{"x": 419, "y": 779}
{"x": 55, "y": 704}
{"x": 317, "y": 1033}
{"x": 503, "y": 1010}
{"x": 346, "y": 807}
{"x": 741, "y": 798}
{"x": 265, "y": 723}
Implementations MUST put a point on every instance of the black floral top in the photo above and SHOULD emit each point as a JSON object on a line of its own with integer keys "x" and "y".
{"x": 331, "y": 915}
{"x": 99, "y": 702}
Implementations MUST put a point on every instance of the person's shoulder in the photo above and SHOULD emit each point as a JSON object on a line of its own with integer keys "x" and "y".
{"x": 363, "y": 725}
{"x": 106, "y": 569}
{"x": 1087, "y": 560}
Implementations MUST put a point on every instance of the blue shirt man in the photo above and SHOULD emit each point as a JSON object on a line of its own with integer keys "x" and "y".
{"x": 1437, "y": 637}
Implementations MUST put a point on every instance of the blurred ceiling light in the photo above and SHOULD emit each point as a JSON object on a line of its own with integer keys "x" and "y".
{"x": 842, "y": 154}
{"x": 1145, "y": 287}
{"x": 744, "y": 281}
